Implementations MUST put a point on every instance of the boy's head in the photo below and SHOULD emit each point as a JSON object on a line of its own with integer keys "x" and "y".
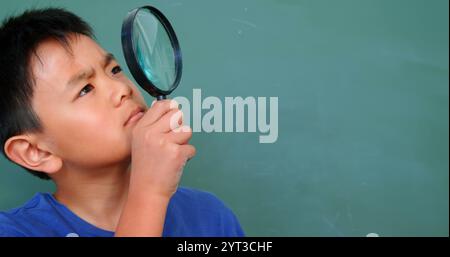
{"x": 63, "y": 99}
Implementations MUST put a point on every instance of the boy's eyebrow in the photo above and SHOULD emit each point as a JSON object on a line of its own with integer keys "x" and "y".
{"x": 108, "y": 58}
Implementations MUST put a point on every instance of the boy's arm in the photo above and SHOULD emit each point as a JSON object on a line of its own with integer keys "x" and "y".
{"x": 143, "y": 215}
{"x": 158, "y": 155}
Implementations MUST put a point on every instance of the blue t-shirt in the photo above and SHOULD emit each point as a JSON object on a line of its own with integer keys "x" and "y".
{"x": 190, "y": 213}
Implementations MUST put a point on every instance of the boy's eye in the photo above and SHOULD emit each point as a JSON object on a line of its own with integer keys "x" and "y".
{"x": 116, "y": 69}
{"x": 85, "y": 90}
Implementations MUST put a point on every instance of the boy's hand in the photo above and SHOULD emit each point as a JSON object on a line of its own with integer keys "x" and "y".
{"x": 159, "y": 149}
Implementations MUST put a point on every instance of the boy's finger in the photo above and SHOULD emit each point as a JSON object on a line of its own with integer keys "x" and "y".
{"x": 170, "y": 121}
{"x": 157, "y": 110}
{"x": 180, "y": 135}
{"x": 189, "y": 151}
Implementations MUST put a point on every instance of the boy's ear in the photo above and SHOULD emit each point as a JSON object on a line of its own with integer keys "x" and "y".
{"x": 24, "y": 150}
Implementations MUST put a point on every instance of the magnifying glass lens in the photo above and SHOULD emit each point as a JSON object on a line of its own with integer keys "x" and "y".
{"x": 153, "y": 49}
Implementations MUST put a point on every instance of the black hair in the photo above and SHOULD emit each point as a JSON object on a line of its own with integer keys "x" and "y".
{"x": 20, "y": 36}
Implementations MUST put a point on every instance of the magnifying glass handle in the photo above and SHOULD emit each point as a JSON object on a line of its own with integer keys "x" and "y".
{"x": 161, "y": 97}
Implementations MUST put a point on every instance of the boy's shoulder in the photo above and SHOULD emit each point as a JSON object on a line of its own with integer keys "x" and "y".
{"x": 14, "y": 220}
{"x": 195, "y": 196}
{"x": 198, "y": 205}
{"x": 200, "y": 213}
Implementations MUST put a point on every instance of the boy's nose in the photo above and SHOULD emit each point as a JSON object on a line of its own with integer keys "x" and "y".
{"x": 121, "y": 92}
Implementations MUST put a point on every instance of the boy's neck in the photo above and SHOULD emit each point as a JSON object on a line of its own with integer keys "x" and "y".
{"x": 97, "y": 198}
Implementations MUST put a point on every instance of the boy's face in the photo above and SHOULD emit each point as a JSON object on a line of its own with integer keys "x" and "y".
{"x": 83, "y": 100}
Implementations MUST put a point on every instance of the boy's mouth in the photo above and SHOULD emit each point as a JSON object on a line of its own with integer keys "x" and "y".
{"x": 136, "y": 114}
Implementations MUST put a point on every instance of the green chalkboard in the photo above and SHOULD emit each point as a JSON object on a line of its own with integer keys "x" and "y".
{"x": 363, "y": 93}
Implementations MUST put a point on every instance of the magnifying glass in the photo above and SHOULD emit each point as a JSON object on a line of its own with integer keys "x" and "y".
{"x": 151, "y": 51}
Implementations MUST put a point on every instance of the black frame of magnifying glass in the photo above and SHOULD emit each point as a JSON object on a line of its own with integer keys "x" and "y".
{"x": 130, "y": 57}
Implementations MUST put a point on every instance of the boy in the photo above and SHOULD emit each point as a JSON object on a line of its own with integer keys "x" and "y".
{"x": 68, "y": 113}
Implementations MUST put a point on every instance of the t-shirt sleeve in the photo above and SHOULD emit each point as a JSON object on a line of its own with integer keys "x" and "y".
{"x": 8, "y": 228}
{"x": 232, "y": 227}
{"x": 229, "y": 223}
{"x": 194, "y": 212}
{"x": 10, "y": 232}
